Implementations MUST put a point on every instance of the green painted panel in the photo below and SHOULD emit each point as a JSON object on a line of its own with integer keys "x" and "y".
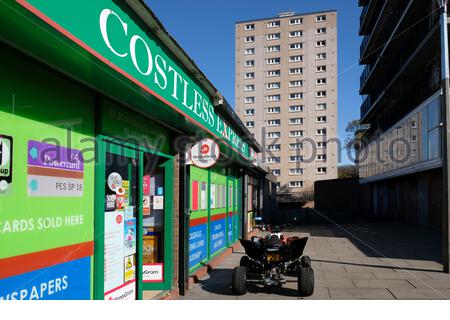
{"x": 32, "y": 217}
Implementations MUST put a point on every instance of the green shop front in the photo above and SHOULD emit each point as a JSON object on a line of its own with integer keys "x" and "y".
{"x": 94, "y": 97}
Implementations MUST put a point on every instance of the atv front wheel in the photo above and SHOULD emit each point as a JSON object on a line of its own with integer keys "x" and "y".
{"x": 239, "y": 283}
{"x": 245, "y": 261}
{"x": 305, "y": 282}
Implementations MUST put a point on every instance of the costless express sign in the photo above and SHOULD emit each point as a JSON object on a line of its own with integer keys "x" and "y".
{"x": 107, "y": 30}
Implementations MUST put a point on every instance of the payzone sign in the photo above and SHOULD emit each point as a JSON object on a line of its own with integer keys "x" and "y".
{"x": 6, "y": 143}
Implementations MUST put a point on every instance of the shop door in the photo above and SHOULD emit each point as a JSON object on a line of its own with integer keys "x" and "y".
{"x": 117, "y": 212}
{"x": 133, "y": 227}
{"x": 157, "y": 226}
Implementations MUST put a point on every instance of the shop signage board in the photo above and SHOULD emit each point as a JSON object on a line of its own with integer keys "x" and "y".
{"x": 153, "y": 272}
{"x": 197, "y": 244}
{"x": 204, "y": 154}
{"x": 230, "y": 227}
{"x": 110, "y": 31}
{"x": 66, "y": 281}
{"x": 218, "y": 232}
{"x": 54, "y": 171}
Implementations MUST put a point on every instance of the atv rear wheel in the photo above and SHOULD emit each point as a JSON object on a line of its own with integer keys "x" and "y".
{"x": 245, "y": 261}
{"x": 305, "y": 282}
{"x": 239, "y": 283}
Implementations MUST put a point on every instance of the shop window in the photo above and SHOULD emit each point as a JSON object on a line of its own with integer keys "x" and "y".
{"x": 153, "y": 192}
{"x": 120, "y": 223}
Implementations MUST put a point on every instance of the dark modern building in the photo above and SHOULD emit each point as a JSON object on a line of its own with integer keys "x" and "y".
{"x": 401, "y": 157}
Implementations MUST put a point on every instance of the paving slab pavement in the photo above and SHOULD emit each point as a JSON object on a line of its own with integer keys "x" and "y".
{"x": 363, "y": 261}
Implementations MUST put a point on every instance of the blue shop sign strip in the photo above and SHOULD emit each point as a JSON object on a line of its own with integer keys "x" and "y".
{"x": 67, "y": 281}
{"x": 218, "y": 235}
{"x": 197, "y": 244}
{"x": 230, "y": 229}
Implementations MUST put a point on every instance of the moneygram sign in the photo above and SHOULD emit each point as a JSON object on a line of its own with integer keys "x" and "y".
{"x": 205, "y": 153}
{"x": 115, "y": 35}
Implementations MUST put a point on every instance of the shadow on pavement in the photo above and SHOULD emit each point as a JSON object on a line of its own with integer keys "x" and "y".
{"x": 219, "y": 282}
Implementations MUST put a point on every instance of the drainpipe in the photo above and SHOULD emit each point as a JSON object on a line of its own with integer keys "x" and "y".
{"x": 445, "y": 135}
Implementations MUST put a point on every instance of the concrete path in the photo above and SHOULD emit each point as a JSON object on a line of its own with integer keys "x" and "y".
{"x": 363, "y": 261}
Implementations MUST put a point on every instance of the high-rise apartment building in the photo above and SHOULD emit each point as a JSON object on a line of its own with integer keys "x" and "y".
{"x": 286, "y": 94}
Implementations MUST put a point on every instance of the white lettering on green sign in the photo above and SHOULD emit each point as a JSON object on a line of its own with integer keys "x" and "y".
{"x": 115, "y": 34}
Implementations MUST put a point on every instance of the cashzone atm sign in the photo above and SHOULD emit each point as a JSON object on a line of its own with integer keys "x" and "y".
{"x": 117, "y": 36}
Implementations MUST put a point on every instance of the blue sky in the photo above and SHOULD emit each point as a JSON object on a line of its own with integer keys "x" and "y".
{"x": 205, "y": 29}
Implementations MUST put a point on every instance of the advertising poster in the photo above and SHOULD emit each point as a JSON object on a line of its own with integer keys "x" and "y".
{"x": 130, "y": 269}
{"x": 213, "y": 196}
{"x": 217, "y": 234}
{"x": 114, "y": 249}
{"x": 150, "y": 253}
{"x": 230, "y": 227}
{"x": 146, "y": 210}
{"x": 194, "y": 202}
{"x": 126, "y": 195}
{"x": 203, "y": 196}
{"x": 110, "y": 202}
{"x": 158, "y": 202}
{"x": 224, "y": 196}
{"x": 197, "y": 244}
{"x": 218, "y": 196}
{"x": 130, "y": 237}
{"x": 54, "y": 171}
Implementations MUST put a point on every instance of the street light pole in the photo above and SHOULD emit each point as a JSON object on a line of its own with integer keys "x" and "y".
{"x": 445, "y": 70}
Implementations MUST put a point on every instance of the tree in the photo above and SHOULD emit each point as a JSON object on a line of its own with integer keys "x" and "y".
{"x": 355, "y": 131}
{"x": 347, "y": 171}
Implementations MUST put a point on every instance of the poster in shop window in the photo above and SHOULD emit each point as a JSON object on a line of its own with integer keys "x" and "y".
{"x": 203, "y": 196}
{"x": 146, "y": 208}
{"x": 114, "y": 252}
{"x": 213, "y": 196}
{"x": 195, "y": 195}
{"x": 130, "y": 237}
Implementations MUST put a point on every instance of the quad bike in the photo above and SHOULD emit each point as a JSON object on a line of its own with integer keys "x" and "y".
{"x": 269, "y": 259}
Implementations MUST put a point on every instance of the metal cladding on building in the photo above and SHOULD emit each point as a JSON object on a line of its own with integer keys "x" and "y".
{"x": 99, "y": 194}
{"x": 286, "y": 94}
{"x": 401, "y": 155}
